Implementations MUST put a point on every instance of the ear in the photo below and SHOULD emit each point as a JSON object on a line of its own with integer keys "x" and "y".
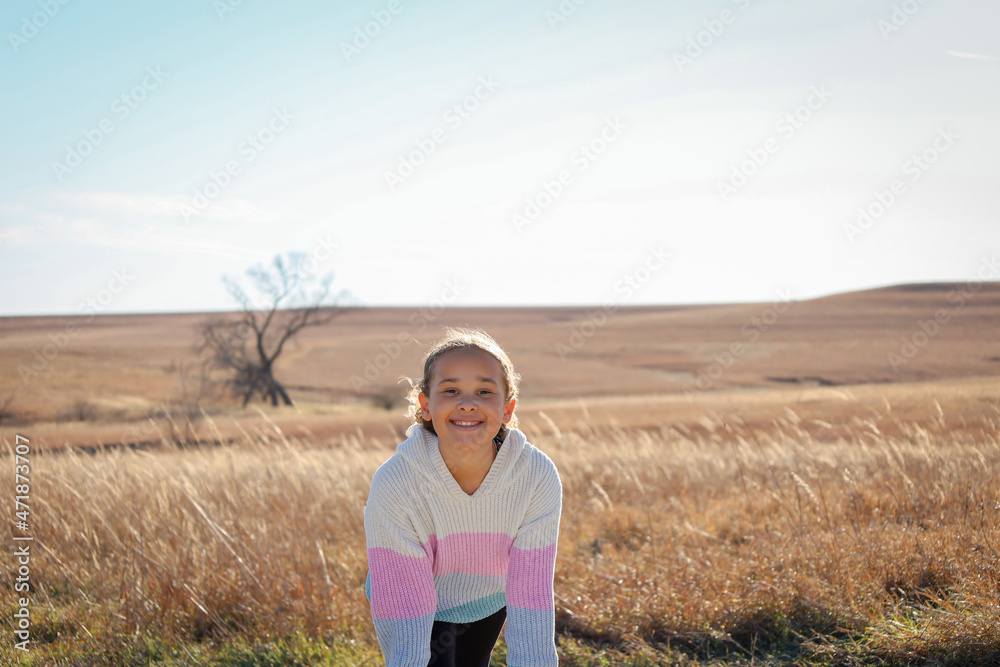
{"x": 425, "y": 407}
{"x": 508, "y": 410}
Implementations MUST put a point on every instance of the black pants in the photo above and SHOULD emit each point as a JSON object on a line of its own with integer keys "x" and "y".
{"x": 465, "y": 644}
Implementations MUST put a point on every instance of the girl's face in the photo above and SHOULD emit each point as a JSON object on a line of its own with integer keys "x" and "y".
{"x": 465, "y": 399}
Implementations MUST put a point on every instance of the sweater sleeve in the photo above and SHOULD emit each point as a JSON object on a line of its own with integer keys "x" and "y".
{"x": 530, "y": 632}
{"x": 400, "y": 580}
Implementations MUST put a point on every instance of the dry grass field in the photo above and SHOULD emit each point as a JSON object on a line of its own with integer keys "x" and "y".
{"x": 810, "y": 505}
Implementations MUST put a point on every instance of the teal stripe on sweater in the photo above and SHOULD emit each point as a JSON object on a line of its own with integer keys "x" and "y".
{"x": 473, "y": 611}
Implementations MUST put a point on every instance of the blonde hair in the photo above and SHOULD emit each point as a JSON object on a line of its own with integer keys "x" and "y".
{"x": 463, "y": 339}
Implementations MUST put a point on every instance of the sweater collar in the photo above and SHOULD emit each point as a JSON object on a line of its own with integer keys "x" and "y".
{"x": 421, "y": 451}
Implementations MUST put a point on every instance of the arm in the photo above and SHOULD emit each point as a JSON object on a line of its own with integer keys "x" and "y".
{"x": 403, "y": 599}
{"x": 530, "y": 632}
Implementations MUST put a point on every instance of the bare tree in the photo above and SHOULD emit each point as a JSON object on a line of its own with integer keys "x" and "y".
{"x": 5, "y": 410}
{"x": 287, "y": 298}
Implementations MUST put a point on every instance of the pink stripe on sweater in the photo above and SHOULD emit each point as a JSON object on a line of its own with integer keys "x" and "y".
{"x": 470, "y": 553}
{"x": 529, "y": 580}
{"x": 402, "y": 586}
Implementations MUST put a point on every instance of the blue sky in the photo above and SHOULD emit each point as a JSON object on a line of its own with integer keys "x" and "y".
{"x": 534, "y": 152}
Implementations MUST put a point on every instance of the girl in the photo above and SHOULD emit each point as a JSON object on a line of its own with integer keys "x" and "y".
{"x": 462, "y": 521}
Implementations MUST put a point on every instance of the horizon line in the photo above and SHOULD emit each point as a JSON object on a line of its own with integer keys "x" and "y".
{"x": 933, "y": 285}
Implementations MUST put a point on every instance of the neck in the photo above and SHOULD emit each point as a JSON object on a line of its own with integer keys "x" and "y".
{"x": 469, "y": 468}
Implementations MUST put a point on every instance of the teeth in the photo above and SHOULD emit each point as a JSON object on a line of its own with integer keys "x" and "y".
{"x": 466, "y": 423}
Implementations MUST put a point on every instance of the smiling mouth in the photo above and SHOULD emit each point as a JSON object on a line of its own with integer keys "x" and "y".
{"x": 462, "y": 423}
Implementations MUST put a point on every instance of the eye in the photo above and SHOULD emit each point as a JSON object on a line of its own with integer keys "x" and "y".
{"x": 450, "y": 390}
{"x": 485, "y": 391}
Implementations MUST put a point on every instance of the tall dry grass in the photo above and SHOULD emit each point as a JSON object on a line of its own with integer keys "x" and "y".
{"x": 731, "y": 540}
{"x": 705, "y": 542}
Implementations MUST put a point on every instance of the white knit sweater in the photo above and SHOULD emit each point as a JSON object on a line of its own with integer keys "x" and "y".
{"x": 436, "y": 553}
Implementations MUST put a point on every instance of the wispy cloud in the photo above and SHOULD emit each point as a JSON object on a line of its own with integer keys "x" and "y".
{"x": 971, "y": 56}
{"x": 147, "y": 204}
{"x": 92, "y": 232}
{"x": 175, "y": 244}
{"x": 145, "y": 223}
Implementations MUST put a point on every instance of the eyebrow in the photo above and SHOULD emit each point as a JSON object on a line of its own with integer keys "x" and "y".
{"x": 481, "y": 379}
